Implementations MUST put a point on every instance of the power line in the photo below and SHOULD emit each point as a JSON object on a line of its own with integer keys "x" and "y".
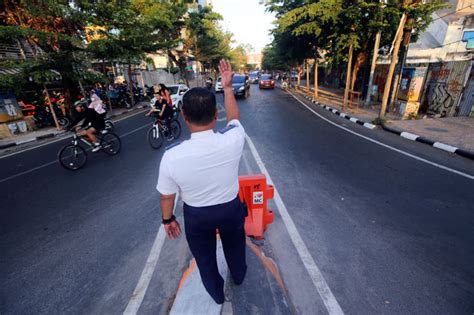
{"x": 440, "y": 17}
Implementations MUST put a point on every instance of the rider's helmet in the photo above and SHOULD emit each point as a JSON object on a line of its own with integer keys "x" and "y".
{"x": 82, "y": 102}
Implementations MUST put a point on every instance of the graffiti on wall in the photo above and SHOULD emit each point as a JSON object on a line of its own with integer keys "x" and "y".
{"x": 439, "y": 98}
{"x": 444, "y": 87}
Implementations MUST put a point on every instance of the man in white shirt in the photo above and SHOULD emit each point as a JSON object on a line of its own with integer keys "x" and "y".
{"x": 204, "y": 169}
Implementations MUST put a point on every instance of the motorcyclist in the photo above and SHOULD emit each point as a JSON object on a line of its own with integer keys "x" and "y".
{"x": 93, "y": 123}
{"x": 209, "y": 82}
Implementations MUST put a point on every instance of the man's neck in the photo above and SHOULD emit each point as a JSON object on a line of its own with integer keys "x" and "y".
{"x": 194, "y": 128}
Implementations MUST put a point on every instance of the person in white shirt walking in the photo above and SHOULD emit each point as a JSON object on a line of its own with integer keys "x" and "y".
{"x": 204, "y": 169}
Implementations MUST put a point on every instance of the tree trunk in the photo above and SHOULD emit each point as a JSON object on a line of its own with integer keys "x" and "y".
{"x": 316, "y": 65}
{"x": 361, "y": 57}
{"x": 130, "y": 89}
{"x": 51, "y": 108}
{"x": 348, "y": 78}
{"x": 388, "y": 83}
{"x": 307, "y": 77}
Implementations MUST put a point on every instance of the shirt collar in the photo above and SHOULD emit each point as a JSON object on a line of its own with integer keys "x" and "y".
{"x": 202, "y": 134}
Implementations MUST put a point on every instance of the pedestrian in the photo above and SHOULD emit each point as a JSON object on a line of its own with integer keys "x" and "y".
{"x": 205, "y": 171}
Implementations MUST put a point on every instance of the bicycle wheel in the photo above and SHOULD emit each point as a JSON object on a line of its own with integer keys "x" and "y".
{"x": 155, "y": 137}
{"x": 175, "y": 127}
{"x": 72, "y": 157}
{"x": 111, "y": 143}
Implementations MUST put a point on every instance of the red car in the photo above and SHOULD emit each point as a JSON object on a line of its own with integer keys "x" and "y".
{"x": 266, "y": 82}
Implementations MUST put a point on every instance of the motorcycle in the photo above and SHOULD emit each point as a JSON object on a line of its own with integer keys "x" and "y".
{"x": 209, "y": 84}
{"x": 43, "y": 117}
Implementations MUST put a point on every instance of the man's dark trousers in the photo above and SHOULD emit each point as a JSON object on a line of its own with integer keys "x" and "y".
{"x": 200, "y": 225}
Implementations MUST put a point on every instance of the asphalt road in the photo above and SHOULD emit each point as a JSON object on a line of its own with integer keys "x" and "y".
{"x": 389, "y": 233}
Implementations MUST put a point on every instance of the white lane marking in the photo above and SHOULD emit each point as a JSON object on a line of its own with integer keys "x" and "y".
{"x": 28, "y": 171}
{"x": 445, "y": 147}
{"x": 142, "y": 286}
{"x": 60, "y": 138}
{"x": 55, "y": 161}
{"x": 353, "y": 119}
{"x": 409, "y": 136}
{"x": 386, "y": 145}
{"x": 322, "y": 287}
{"x": 25, "y": 141}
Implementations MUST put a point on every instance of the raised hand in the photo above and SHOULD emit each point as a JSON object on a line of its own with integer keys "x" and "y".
{"x": 225, "y": 70}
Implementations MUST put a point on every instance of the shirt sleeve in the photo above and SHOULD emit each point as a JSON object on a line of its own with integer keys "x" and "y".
{"x": 166, "y": 184}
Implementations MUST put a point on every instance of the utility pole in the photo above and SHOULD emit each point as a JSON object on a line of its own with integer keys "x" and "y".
{"x": 402, "y": 58}
{"x": 299, "y": 76}
{"x": 396, "y": 48}
{"x": 374, "y": 63}
{"x": 348, "y": 77}
{"x": 316, "y": 64}
{"x": 307, "y": 76}
{"x": 372, "y": 67}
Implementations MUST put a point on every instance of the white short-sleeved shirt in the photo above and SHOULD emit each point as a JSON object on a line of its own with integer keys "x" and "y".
{"x": 204, "y": 169}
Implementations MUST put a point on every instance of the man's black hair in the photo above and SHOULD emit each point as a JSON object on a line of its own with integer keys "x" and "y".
{"x": 199, "y": 106}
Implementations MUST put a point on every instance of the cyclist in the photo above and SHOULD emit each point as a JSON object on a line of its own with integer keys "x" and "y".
{"x": 162, "y": 110}
{"x": 97, "y": 104}
{"x": 93, "y": 123}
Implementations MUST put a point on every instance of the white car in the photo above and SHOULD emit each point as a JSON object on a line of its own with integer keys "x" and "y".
{"x": 176, "y": 93}
{"x": 218, "y": 88}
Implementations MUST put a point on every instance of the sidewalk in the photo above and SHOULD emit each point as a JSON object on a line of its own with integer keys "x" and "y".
{"x": 454, "y": 131}
{"x": 51, "y": 132}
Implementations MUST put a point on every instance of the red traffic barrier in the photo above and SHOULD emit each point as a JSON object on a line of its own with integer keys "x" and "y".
{"x": 255, "y": 193}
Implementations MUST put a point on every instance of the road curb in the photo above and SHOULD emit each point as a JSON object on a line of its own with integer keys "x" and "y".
{"x": 53, "y": 135}
{"x": 343, "y": 115}
{"x": 433, "y": 143}
{"x": 42, "y": 137}
{"x": 404, "y": 134}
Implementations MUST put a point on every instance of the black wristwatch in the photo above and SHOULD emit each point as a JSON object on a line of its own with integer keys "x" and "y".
{"x": 168, "y": 221}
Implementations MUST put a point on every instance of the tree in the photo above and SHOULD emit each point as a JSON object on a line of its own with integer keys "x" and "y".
{"x": 54, "y": 31}
{"x": 272, "y": 59}
{"x": 207, "y": 42}
{"x": 334, "y": 26}
{"x": 131, "y": 29}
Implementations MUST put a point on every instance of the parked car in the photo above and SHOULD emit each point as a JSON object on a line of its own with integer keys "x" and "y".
{"x": 176, "y": 93}
{"x": 266, "y": 82}
{"x": 218, "y": 87}
{"x": 241, "y": 85}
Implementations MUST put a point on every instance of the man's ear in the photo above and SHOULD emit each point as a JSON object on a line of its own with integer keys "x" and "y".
{"x": 216, "y": 114}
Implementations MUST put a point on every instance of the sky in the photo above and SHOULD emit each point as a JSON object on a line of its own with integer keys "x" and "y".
{"x": 247, "y": 20}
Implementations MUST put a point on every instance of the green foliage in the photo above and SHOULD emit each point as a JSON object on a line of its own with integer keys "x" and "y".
{"x": 332, "y": 25}
{"x": 206, "y": 39}
{"x": 272, "y": 59}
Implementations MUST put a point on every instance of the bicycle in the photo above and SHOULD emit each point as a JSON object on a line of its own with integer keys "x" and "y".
{"x": 159, "y": 131}
{"x": 73, "y": 156}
